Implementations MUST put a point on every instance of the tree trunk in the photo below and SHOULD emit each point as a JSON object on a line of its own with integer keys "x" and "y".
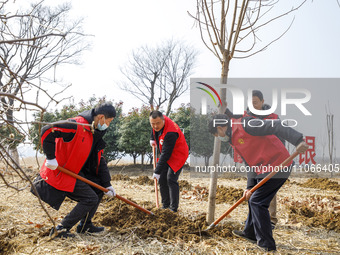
{"x": 217, "y": 143}
{"x": 206, "y": 160}
{"x": 13, "y": 153}
{"x": 330, "y": 129}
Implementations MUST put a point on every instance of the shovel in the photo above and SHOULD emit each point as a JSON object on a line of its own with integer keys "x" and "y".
{"x": 68, "y": 172}
{"x": 154, "y": 167}
{"x": 263, "y": 181}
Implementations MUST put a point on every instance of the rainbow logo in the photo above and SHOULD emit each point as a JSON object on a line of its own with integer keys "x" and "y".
{"x": 209, "y": 93}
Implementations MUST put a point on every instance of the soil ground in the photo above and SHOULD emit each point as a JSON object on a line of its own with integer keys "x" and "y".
{"x": 308, "y": 213}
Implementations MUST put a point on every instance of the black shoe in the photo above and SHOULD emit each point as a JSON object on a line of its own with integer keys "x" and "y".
{"x": 90, "y": 228}
{"x": 61, "y": 232}
{"x": 266, "y": 248}
{"x": 240, "y": 233}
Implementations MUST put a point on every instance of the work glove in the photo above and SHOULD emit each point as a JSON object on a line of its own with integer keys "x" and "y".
{"x": 51, "y": 164}
{"x": 156, "y": 176}
{"x": 153, "y": 143}
{"x": 111, "y": 192}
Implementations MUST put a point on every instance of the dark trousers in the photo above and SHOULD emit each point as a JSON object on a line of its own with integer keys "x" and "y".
{"x": 88, "y": 199}
{"x": 169, "y": 188}
{"x": 258, "y": 224}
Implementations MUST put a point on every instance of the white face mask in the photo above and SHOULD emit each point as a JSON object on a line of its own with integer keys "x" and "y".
{"x": 224, "y": 139}
{"x": 102, "y": 127}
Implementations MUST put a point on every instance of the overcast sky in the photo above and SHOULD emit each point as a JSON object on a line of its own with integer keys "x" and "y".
{"x": 309, "y": 49}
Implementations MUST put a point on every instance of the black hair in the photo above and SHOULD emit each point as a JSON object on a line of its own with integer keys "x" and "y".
{"x": 156, "y": 114}
{"x": 258, "y": 93}
{"x": 107, "y": 109}
{"x": 213, "y": 126}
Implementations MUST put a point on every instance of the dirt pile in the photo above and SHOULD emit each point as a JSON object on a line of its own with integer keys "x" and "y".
{"x": 198, "y": 193}
{"x": 317, "y": 211}
{"x": 120, "y": 177}
{"x": 144, "y": 180}
{"x": 223, "y": 194}
{"x": 321, "y": 183}
{"x": 184, "y": 185}
{"x": 163, "y": 225}
{"x": 227, "y": 195}
{"x": 7, "y": 245}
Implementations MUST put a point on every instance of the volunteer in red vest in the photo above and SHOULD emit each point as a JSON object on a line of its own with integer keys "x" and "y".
{"x": 79, "y": 149}
{"x": 261, "y": 149}
{"x": 258, "y": 104}
{"x": 174, "y": 151}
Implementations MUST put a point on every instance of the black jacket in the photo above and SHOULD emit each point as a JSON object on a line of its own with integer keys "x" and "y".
{"x": 89, "y": 170}
{"x": 167, "y": 148}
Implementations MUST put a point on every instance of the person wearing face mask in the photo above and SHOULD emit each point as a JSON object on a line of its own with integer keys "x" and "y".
{"x": 78, "y": 148}
{"x": 261, "y": 149}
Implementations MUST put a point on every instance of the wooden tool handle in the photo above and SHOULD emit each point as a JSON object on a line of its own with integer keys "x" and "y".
{"x": 93, "y": 184}
{"x": 154, "y": 167}
{"x": 263, "y": 181}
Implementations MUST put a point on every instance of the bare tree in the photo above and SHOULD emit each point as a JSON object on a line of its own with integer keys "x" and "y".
{"x": 159, "y": 75}
{"x": 230, "y": 29}
{"x": 33, "y": 44}
{"x": 330, "y": 134}
{"x": 323, "y": 143}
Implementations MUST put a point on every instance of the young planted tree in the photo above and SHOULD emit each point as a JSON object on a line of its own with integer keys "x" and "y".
{"x": 157, "y": 76}
{"x": 230, "y": 29}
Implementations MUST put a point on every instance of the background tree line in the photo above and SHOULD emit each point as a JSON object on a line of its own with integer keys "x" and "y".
{"x": 129, "y": 134}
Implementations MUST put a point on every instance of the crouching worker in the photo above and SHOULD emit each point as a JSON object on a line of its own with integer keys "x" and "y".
{"x": 174, "y": 151}
{"x": 79, "y": 149}
{"x": 261, "y": 149}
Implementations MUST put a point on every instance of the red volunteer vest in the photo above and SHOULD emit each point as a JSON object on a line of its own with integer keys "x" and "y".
{"x": 258, "y": 150}
{"x": 274, "y": 116}
{"x": 180, "y": 152}
{"x": 70, "y": 155}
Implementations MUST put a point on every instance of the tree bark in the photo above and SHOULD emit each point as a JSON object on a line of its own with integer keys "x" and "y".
{"x": 217, "y": 143}
{"x": 142, "y": 159}
{"x": 13, "y": 152}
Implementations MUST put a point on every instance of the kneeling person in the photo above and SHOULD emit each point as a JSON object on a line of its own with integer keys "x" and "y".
{"x": 79, "y": 149}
